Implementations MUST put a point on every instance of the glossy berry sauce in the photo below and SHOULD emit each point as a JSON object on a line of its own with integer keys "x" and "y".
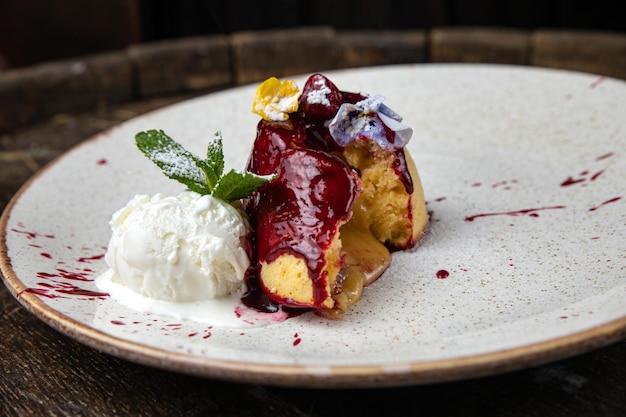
{"x": 298, "y": 213}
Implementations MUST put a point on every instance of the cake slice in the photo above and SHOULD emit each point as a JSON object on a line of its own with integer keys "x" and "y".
{"x": 296, "y": 220}
{"x": 346, "y": 193}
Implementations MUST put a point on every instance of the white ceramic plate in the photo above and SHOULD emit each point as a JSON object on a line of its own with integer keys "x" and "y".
{"x": 524, "y": 176}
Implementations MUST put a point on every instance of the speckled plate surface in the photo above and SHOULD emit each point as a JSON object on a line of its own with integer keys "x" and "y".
{"x": 524, "y": 261}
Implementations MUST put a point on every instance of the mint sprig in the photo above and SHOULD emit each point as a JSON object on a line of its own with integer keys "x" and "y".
{"x": 204, "y": 176}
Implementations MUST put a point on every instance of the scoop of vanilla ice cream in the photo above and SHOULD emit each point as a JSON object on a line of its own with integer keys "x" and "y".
{"x": 179, "y": 248}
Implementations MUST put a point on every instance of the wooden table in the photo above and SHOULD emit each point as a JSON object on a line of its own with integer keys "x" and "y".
{"x": 44, "y": 373}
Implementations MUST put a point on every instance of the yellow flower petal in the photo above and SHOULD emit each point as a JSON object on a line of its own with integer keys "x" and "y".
{"x": 274, "y": 100}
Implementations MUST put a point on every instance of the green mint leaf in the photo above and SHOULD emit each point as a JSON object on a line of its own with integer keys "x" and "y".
{"x": 204, "y": 176}
{"x": 210, "y": 177}
{"x": 175, "y": 161}
{"x": 215, "y": 160}
{"x": 236, "y": 185}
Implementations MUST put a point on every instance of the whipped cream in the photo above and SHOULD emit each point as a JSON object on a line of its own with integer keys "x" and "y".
{"x": 183, "y": 248}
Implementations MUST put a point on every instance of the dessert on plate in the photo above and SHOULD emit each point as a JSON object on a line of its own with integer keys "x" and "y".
{"x": 329, "y": 191}
{"x": 346, "y": 193}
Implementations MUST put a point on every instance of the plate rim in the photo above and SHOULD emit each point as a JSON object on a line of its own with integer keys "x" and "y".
{"x": 294, "y": 375}
{"x": 334, "y": 376}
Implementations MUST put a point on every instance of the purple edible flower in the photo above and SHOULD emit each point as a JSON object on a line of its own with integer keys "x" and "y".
{"x": 370, "y": 119}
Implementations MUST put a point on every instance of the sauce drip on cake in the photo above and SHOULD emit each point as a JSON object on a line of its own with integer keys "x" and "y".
{"x": 346, "y": 193}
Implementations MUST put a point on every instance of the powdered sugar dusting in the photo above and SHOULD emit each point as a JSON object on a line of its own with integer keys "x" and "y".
{"x": 320, "y": 94}
{"x": 175, "y": 165}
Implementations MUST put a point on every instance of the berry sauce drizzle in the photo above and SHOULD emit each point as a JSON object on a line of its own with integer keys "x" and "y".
{"x": 298, "y": 213}
{"x": 64, "y": 281}
{"x": 583, "y": 179}
{"x": 532, "y": 212}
